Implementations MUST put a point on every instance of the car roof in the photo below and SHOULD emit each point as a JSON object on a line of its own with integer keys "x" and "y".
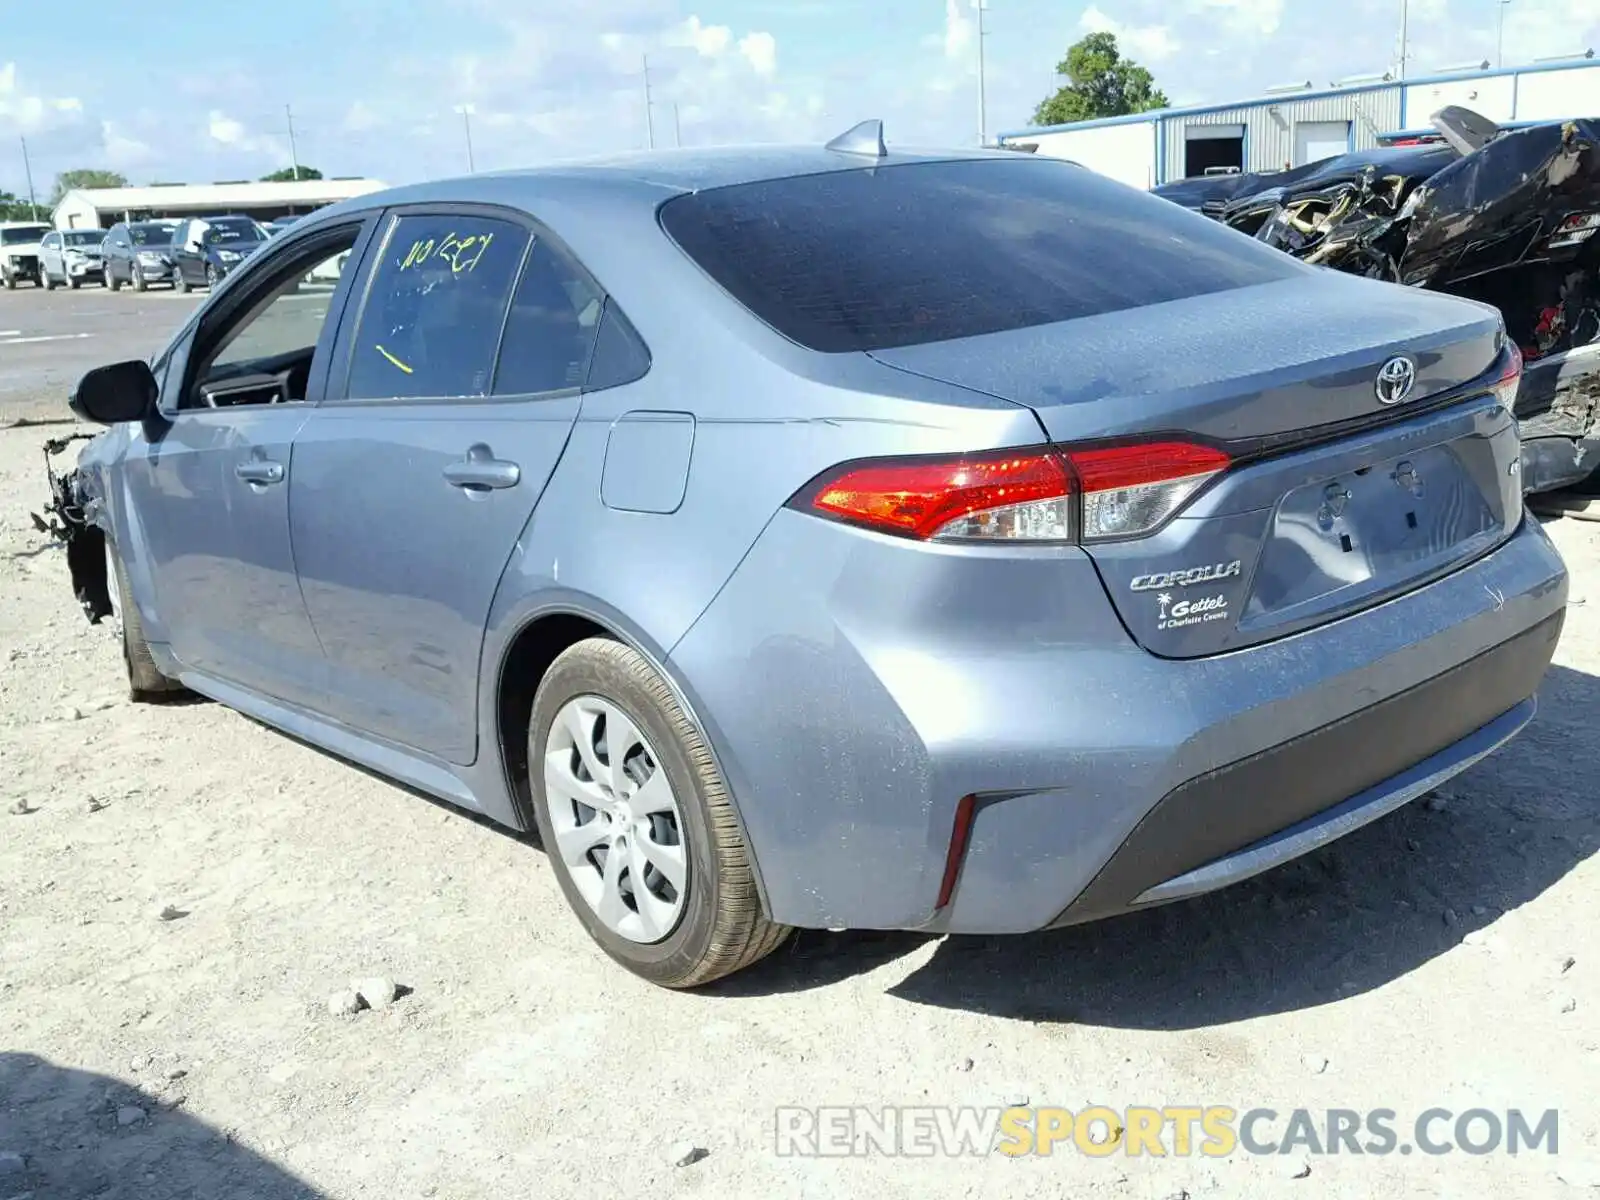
{"x": 649, "y": 176}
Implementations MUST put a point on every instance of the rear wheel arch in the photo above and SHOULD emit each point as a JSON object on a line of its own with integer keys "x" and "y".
{"x": 529, "y": 654}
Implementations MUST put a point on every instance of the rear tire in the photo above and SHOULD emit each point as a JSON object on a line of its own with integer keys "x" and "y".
{"x": 146, "y": 683}
{"x": 718, "y": 927}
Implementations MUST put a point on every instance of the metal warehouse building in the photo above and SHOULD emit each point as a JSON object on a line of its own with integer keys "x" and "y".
{"x": 100, "y": 208}
{"x": 1298, "y": 125}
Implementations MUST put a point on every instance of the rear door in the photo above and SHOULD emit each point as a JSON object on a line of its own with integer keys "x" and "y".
{"x": 415, "y": 479}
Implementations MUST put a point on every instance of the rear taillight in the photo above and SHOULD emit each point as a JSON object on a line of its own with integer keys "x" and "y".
{"x": 1505, "y": 387}
{"x": 1130, "y": 490}
{"x": 1034, "y": 495}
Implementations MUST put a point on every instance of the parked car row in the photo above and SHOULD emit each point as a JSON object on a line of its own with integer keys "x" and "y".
{"x": 182, "y": 254}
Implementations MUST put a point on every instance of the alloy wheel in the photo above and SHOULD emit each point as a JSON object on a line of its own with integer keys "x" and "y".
{"x": 617, "y": 823}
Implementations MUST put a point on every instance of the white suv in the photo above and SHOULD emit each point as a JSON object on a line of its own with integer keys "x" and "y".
{"x": 19, "y": 251}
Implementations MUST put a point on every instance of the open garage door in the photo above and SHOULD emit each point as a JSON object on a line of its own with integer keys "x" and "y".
{"x": 1212, "y": 149}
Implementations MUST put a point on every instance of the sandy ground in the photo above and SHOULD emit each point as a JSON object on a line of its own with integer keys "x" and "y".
{"x": 1447, "y": 956}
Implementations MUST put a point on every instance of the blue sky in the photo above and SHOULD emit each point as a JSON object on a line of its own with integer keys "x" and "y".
{"x": 195, "y": 90}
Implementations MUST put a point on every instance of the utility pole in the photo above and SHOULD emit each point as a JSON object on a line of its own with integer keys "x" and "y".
{"x": 1404, "y": 33}
{"x": 1500, "y": 35}
{"x": 983, "y": 110}
{"x": 649, "y": 117}
{"x": 294, "y": 154}
{"x": 466, "y": 120}
{"x": 677, "y": 126}
{"x": 27, "y": 170}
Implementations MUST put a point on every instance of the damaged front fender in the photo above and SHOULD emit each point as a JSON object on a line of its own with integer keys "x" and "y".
{"x": 69, "y": 519}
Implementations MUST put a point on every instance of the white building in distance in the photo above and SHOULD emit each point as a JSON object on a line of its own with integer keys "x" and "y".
{"x": 100, "y": 208}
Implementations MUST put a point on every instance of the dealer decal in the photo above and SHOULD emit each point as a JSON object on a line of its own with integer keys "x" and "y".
{"x": 1183, "y": 613}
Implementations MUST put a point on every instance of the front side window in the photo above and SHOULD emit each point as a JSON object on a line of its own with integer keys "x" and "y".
{"x": 289, "y": 323}
{"x": 435, "y": 306}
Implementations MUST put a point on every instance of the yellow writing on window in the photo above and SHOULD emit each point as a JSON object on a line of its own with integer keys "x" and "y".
{"x": 461, "y": 253}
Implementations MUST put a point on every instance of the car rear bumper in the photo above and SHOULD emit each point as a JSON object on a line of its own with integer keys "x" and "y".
{"x": 1254, "y": 814}
{"x": 856, "y": 688}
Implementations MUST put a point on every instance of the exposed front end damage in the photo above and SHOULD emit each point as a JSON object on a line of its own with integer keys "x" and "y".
{"x": 1507, "y": 217}
{"x": 65, "y": 520}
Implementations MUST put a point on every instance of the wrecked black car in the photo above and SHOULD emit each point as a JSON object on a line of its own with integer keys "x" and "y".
{"x": 1502, "y": 216}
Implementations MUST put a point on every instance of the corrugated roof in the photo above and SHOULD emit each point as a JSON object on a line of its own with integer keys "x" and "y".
{"x": 224, "y": 195}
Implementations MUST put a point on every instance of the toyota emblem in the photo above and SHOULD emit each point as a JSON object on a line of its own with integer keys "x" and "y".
{"x": 1396, "y": 379}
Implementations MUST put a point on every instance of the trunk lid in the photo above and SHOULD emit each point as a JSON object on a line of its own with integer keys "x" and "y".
{"x": 1335, "y": 502}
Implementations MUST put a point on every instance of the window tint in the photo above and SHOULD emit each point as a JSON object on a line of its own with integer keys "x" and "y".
{"x": 435, "y": 307}
{"x": 620, "y": 355}
{"x": 901, "y": 255}
{"x": 554, "y": 317}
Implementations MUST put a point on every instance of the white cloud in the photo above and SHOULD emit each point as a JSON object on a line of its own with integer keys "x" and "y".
{"x": 1143, "y": 43}
{"x": 360, "y": 117}
{"x": 123, "y": 150}
{"x": 760, "y": 50}
{"x": 707, "y": 40}
{"x": 1249, "y": 16}
{"x": 225, "y": 129}
{"x": 26, "y": 114}
{"x": 959, "y": 28}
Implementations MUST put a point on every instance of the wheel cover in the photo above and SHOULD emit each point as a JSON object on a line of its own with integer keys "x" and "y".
{"x": 617, "y": 825}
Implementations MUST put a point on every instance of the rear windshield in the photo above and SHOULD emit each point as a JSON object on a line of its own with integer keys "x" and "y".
{"x": 925, "y": 252}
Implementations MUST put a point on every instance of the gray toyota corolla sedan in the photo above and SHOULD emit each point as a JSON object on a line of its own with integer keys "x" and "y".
{"x": 831, "y": 537}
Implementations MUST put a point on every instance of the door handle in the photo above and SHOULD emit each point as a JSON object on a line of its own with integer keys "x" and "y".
{"x": 257, "y": 471}
{"x": 480, "y": 470}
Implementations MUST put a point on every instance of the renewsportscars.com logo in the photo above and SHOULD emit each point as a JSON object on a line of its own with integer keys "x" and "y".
{"x": 1179, "y": 1131}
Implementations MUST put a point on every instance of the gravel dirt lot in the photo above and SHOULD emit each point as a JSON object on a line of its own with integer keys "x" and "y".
{"x": 181, "y": 890}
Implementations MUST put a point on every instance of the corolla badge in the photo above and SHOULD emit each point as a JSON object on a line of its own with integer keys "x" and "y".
{"x": 1186, "y": 578}
{"x": 1396, "y": 378}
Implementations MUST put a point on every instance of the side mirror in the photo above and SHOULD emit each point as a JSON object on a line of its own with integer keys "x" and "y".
{"x": 110, "y": 395}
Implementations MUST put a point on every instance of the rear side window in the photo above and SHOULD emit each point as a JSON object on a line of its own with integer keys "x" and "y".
{"x": 435, "y": 307}
{"x": 875, "y": 258}
{"x": 551, "y": 330}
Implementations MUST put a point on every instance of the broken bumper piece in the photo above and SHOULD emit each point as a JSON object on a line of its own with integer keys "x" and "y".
{"x": 65, "y": 520}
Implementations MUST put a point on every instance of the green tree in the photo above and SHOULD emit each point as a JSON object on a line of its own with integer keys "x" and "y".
{"x": 16, "y": 208}
{"x": 85, "y": 177}
{"x": 287, "y": 175}
{"x": 1100, "y": 83}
